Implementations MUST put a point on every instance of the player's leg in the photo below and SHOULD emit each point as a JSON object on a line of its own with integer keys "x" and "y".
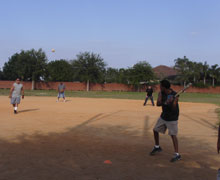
{"x": 175, "y": 143}
{"x": 173, "y": 131}
{"x": 58, "y": 97}
{"x": 64, "y": 97}
{"x": 152, "y": 100}
{"x": 156, "y": 138}
{"x": 13, "y": 103}
{"x": 159, "y": 127}
{"x": 177, "y": 156}
{"x": 17, "y": 102}
{"x": 15, "y": 108}
{"x": 145, "y": 102}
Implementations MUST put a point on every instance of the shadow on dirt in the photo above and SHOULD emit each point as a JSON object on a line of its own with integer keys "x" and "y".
{"x": 27, "y": 110}
{"x": 79, "y": 153}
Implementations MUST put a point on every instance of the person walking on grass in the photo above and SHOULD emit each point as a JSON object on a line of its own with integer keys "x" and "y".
{"x": 61, "y": 92}
{"x": 168, "y": 118}
{"x": 16, "y": 92}
{"x": 149, "y": 91}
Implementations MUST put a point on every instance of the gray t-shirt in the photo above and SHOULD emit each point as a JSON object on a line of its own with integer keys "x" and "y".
{"x": 17, "y": 90}
{"x": 61, "y": 87}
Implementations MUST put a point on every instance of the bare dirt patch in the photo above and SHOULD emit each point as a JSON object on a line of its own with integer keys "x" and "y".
{"x": 48, "y": 140}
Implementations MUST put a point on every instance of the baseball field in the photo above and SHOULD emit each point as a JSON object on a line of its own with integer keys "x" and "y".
{"x": 49, "y": 140}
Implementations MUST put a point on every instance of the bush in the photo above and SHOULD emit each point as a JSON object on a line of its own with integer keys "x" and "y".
{"x": 201, "y": 85}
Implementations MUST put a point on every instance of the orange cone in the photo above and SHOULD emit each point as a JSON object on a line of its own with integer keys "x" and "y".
{"x": 107, "y": 162}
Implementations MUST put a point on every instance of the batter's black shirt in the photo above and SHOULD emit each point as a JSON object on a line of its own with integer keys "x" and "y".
{"x": 149, "y": 91}
{"x": 169, "y": 113}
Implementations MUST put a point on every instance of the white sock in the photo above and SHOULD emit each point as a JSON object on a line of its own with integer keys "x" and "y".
{"x": 177, "y": 154}
{"x": 157, "y": 146}
{"x": 16, "y": 108}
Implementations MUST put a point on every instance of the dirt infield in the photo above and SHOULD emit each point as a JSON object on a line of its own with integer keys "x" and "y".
{"x": 70, "y": 141}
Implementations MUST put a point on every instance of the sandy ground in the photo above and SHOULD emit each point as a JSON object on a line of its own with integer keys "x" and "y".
{"x": 70, "y": 141}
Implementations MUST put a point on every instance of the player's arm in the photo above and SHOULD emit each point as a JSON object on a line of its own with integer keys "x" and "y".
{"x": 175, "y": 101}
{"x": 22, "y": 92}
{"x": 172, "y": 101}
{"x": 159, "y": 99}
{"x": 218, "y": 142}
{"x": 146, "y": 91}
{"x": 11, "y": 90}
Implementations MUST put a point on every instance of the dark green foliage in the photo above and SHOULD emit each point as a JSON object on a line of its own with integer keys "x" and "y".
{"x": 114, "y": 75}
{"x": 140, "y": 72}
{"x": 189, "y": 71}
{"x": 89, "y": 67}
{"x": 27, "y": 65}
{"x": 214, "y": 73}
{"x": 200, "y": 85}
{"x": 59, "y": 70}
{"x": 1, "y": 75}
{"x": 111, "y": 75}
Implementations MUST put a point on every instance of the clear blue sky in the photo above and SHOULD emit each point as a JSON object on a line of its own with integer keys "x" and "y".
{"x": 123, "y": 32}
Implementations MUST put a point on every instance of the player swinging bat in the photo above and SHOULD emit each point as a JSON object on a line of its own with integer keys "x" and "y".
{"x": 168, "y": 99}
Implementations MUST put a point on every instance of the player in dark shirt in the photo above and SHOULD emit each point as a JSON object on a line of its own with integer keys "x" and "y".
{"x": 168, "y": 118}
{"x": 149, "y": 91}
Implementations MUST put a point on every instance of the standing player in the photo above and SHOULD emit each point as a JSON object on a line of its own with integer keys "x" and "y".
{"x": 61, "y": 91}
{"x": 168, "y": 119}
{"x": 149, "y": 91}
{"x": 15, "y": 94}
{"x": 218, "y": 149}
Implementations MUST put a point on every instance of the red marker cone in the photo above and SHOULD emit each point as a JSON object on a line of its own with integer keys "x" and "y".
{"x": 107, "y": 162}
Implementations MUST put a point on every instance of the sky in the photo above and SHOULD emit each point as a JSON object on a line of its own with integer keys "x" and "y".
{"x": 123, "y": 32}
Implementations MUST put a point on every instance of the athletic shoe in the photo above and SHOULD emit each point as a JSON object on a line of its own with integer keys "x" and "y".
{"x": 15, "y": 112}
{"x": 175, "y": 158}
{"x": 155, "y": 151}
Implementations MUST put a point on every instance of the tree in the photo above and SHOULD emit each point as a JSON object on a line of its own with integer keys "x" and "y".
{"x": 142, "y": 71}
{"x": 205, "y": 69}
{"x": 182, "y": 65}
{"x": 28, "y": 65}
{"x": 59, "y": 70}
{"x": 214, "y": 72}
{"x": 197, "y": 69}
{"x": 112, "y": 75}
{"x": 89, "y": 67}
{"x": 123, "y": 76}
{"x": 1, "y": 75}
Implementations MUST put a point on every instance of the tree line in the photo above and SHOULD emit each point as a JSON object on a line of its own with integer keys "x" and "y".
{"x": 32, "y": 65}
{"x": 198, "y": 73}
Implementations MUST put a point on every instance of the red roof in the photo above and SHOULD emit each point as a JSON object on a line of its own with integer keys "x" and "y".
{"x": 164, "y": 71}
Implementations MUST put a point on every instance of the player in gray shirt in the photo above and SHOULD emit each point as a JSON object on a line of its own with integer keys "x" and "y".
{"x": 16, "y": 92}
{"x": 61, "y": 91}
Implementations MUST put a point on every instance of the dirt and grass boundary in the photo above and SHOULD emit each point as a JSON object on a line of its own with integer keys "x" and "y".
{"x": 186, "y": 97}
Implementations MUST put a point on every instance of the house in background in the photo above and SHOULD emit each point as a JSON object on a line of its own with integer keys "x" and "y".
{"x": 165, "y": 72}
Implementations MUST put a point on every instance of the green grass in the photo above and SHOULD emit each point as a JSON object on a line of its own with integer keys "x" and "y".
{"x": 186, "y": 97}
